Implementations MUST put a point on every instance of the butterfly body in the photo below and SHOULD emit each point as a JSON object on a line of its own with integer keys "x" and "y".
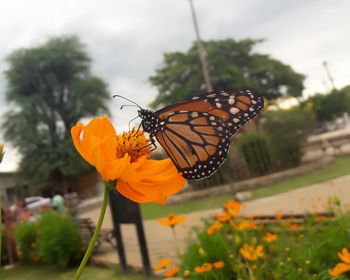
{"x": 196, "y": 133}
{"x": 150, "y": 121}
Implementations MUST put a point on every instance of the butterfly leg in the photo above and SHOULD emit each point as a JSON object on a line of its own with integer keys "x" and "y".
{"x": 138, "y": 129}
{"x": 153, "y": 143}
{"x": 132, "y": 121}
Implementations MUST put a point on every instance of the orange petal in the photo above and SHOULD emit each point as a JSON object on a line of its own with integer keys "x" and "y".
{"x": 340, "y": 268}
{"x": 76, "y": 134}
{"x": 117, "y": 168}
{"x": 130, "y": 193}
{"x": 344, "y": 255}
{"x": 150, "y": 180}
{"x": 96, "y": 142}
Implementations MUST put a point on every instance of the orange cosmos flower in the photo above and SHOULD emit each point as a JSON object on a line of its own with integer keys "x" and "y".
{"x": 294, "y": 227}
{"x": 232, "y": 207}
{"x": 269, "y": 237}
{"x": 206, "y": 267}
{"x": 172, "y": 272}
{"x": 344, "y": 266}
{"x": 172, "y": 220}
{"x": 124, "y": 158}
{"x": 243, "y": 225}
{"x": 216, "y": 226}
{"x": 278, "y": 215}
{"x": 222, "y": 217}
{"x": 250, "y": 253}
{"x": 219, "y": 264}
{"x": 163, "y": 263}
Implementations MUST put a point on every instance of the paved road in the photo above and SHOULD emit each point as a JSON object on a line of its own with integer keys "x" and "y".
{"x": 160, "y": 240}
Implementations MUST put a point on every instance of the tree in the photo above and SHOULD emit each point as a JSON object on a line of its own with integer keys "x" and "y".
{"x": 331, "y": 105}
{"x": 232, "y": 64}
{"x": 51, "y": 89}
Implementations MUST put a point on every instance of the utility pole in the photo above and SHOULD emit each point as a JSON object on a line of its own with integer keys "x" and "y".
{"x": 201, "y": 51}
{"x": 325, "y": 86}
{"x": 325, "y": 65}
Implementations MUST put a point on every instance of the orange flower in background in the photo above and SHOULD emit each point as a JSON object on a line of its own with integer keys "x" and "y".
{"x": 222, "y": 217}
{"x": 344, "y": 266}
{"x": 243, "y": 225}
{"x": 278, "y": 215}
{"x": 172, "y": 272}
{"x": 219, "y": 264}
{"x": 250, "y": 253}
{"x": 206, "y": 267}
{"x": 294, "y": 227}
{"x": 172, "y": 220}
{"x": 163, "y": 263}
{"x": 320, "y": 217}
{"x": 216, "y": 226}
{"x": 250, "y": 217}
{"x": 232, "y": 207}
{"x": 269, "y": 237}
{"x": 124, "y": 158}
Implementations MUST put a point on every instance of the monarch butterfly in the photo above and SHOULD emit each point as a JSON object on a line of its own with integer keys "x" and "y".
{"x": 196, "y": 133}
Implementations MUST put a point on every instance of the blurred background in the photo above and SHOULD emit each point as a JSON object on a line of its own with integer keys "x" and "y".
{"x": 61, "y": 62}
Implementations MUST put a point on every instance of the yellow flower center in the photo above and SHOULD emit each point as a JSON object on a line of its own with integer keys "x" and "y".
{"x": 134, "y": 144}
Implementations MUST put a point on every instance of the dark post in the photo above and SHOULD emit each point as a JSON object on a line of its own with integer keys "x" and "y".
{"x": 125, "y": 211}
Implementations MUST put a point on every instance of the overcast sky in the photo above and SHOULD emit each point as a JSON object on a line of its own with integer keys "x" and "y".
{"x": 126, "y": 39}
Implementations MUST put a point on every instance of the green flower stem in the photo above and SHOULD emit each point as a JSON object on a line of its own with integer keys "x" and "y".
{"x": 176, "y": 242}
{"x": 96, "y": 233}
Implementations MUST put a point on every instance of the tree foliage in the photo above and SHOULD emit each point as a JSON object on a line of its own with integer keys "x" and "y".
{"x": 232, "y": 64}
{"x": 331, "y": 105}
{"x": 50, "y": 88}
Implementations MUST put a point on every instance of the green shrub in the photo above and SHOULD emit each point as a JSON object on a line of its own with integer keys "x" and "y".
{"x": 254, "y": 149}
{"x": 287, "y": 132}
{"x": 26, "y": 236}
{"x": 59, "y": 240}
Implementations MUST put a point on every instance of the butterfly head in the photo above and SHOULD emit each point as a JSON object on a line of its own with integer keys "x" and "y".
{"x": 150, "y": 122}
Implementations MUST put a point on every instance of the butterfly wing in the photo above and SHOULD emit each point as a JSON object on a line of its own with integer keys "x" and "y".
{"x": 197, "y": 142}
{"x": 234, "y": 107}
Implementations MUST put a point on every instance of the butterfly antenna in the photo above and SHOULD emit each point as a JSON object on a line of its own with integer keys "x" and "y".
{"x": 127, "y": 105}
{"x": 116, "y": 95}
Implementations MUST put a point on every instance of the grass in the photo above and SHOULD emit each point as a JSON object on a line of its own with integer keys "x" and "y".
{"x": 153, "y": 210}
{"x": 338, "y": 168}
{"x": 41, "y": 272}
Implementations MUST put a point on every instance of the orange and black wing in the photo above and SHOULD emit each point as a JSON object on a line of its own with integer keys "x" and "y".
{"x": 234, "y": 107}
{"x": 197, "y": 142}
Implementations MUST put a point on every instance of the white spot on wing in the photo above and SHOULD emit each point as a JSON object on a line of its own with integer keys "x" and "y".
{"x": 234, "y": 110}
